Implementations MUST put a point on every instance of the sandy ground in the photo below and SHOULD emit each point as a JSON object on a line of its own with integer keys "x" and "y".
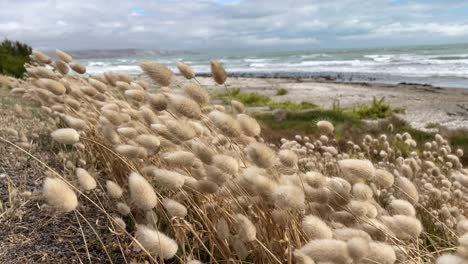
{"x": 423, "y": 104}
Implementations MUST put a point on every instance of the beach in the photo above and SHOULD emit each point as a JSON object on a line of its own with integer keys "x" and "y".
{"x": 424, "y": 105}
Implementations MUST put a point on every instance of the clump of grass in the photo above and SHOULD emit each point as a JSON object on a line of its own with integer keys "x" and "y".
{"x": 281, "y": 91}
{"x": 377, "y": 109}
{"x": 256, "y": 100}
{"x": 432, "y": 125}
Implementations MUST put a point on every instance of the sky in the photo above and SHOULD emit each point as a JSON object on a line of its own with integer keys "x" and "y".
{"x": 232, "y": 24}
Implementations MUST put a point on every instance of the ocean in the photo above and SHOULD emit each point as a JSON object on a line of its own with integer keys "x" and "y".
{"x": 441, "y": 65}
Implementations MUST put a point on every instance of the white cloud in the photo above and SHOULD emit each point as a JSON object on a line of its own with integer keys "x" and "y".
{"x": 276, "y": 41}
{"x": 433, "y": 28}
{"x": 9, "y": 27}
{"x": 234, "y": 24}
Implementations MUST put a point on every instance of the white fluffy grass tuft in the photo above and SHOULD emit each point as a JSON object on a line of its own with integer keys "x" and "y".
{"x": 68, "y": 136}
{"x": 114, "y": 190}
{"x": 246, "y": 229}
{"x": 59, "y": 195}
{"x": 219, "y": 74}
{"x": 315, "y": 228}
{"x": 158, "y": 72}
{"x": 186, "y": 70}
{"x": 142, "y": 193}
{"x": 261, "y": 155}
{"x": 155, "y": 242}
{"x": 174, "y": 208}
{"x": 86, "y": 181}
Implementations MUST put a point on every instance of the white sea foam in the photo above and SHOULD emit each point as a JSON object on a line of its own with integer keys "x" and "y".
{"x": 411, "y": 63}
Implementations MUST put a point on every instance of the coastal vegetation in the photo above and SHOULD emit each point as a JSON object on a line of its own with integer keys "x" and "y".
{"x": 13, "y": 56}
{"x": 112, "y": 168}
{"x": 281, "y": 91}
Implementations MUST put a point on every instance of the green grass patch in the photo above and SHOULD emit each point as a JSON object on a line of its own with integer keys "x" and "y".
{"x": 432, "y": 125}
{"x": 282, "y": 91}
{"x": 378, "y": 109}
{"x": 304, "y": 123}
{"x": 254, "y": 99}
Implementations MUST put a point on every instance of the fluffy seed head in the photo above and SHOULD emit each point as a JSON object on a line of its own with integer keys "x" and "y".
{"x": 203, "y": 152}
{"x": 315, "y": 228}
{"x": 222, "y": 229}
{"x": 185, "y": 106}
{"x": 158, "y": 73}
{"x": 180, "y": 158}
{"x": 86, "y": 181}
{"x": 59, "y": 195}
{"x": 41, "y": 57}
{"x": 131, "y": 152}
{"x": 157, "y": 101}
{"x": 327, "y": 250}
{"x": 64, "y": 56}
{"x": 197, "y": 93}
{"x": 288, "y": 158}
{"x": 181, "y": 130}
{"x": 402, "y": 207}
{"x": 450, "y": 259}
{"x": 55, "y": 87}
{"x": 228, "y": 125}
{"x": 325, "y": 126}
{"x": 357, "y": 248}
{"x": 219, "y": 74}
{"x": 384, "y": 178}
{"x": 186, "y": 70}
{"x": 75, "y": 123}
{"x": 315, "y": 179}
{"x": 302, "y": 258}
{"x": 61, "y": 67}
{"x": 142, "y": 192}
{"x": 206, "y": 186}
{"x": 123, "y": 208}
{"x": 347, "y": 233}
{"x": 362, "y": 191}
{"x": 119, "y": 223}
{"x": 406, "y": 190}
{"x": 404, "y": 227}
{"x": 379, "y": 253}
{"x": 238, "y": 106}
{"x": 174, "y": 208}
{"x": 249, "y": 125}
{"x": 289, "y": 197}
{"x": 68, "y": 136}
{"x": 261, "y": 155}
{"x": 78, "y": 68}
{"x": 355, "y": 170}
{"x": 134, "y": 94}
{"x": 113, "y": 190}
{"x": 247, "y": 230}
{"x": 156, "y": 242}
{"x": 148, "y": 141}
{"x": 98, "y": 85}
{"x": 226, "y": 164}
{"x": 167, "y": 179}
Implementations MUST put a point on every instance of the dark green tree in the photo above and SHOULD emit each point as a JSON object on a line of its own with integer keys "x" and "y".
{"x": 13, "y": 56}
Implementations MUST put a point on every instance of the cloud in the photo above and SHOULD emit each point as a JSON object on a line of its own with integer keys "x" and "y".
{"x": 230, "y": 24}
{"x": 432, "y": 28}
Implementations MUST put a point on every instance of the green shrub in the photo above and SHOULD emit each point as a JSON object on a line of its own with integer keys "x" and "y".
{"x": 13, "y": 56}
{"x": 254, "y": 99}
{"x": 378, "y": 109}
{"x": 281, "y": 91}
